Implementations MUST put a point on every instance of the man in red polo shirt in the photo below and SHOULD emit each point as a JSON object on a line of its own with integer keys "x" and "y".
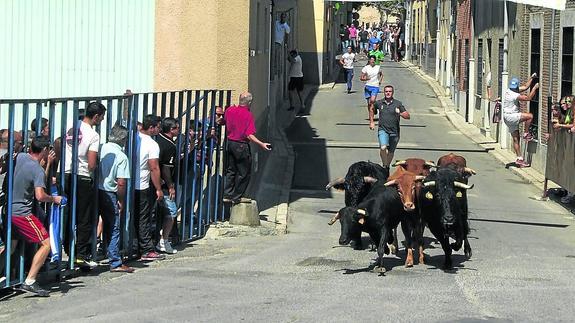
{"x": 241, "y": 130}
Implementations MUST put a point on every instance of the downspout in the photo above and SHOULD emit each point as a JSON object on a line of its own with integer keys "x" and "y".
{"x": 550, "y": 94}
{"x": 272, "y": 114}
{"x": 505, "y": 75}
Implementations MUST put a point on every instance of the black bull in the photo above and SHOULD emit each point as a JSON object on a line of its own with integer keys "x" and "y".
{"x": 443, "y": 206}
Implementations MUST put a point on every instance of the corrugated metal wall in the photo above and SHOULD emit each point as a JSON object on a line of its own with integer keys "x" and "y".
{"x": 60, "y": 48}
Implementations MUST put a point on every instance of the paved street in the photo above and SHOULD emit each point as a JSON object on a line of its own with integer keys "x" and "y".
{"x": 523, "y": 250}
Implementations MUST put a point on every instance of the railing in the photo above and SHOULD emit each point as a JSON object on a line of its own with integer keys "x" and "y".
{"x": 560, "y": 159}
{"x": 198, "y": 175}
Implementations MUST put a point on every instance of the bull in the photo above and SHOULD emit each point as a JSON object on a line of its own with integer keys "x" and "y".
{"x": 457, "y": 163}
{"x": 415, "y": 165}
{"x": 378, "y": 214}
{"x": 444, "y": 208}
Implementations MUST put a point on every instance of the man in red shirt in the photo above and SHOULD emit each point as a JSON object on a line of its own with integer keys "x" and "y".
{"x": 241, "y": 130}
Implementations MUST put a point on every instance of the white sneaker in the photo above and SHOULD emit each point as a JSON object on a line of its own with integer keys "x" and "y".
{"x": 166, "y": 247}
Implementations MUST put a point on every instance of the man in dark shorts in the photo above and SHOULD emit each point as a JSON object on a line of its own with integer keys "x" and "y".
{"x": 389, "y": 110}
{"x": 296, "y": 78}
{"x": 29, "y": 183}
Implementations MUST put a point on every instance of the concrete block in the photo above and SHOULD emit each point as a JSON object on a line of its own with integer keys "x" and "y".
{"x": 245, "y": 214}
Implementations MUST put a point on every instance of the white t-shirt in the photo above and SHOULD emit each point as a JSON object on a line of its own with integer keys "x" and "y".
{"x": 510, "y": 103}
{"x": 296, "y": 67}
{"x": 147, "y": 149}
{"x": 372, "y": 75}
{"x": 280, "y": 31}
{"x": 348, "y": 60}
{"x": 88, "y": 140}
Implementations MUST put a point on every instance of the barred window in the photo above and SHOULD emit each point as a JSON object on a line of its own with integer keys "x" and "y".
{"x": 567, "y": 62}
{"x": 534, "y": 68}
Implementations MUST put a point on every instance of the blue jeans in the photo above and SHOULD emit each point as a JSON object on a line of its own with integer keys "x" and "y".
{"x": 348, "y": 77}
{"x": 388, "y": 140}
{"x": 111, "y": 218}
{"x": 344, "y": 44}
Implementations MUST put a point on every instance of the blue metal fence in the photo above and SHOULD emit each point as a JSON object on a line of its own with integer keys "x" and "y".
{"x": 198, "y": 176}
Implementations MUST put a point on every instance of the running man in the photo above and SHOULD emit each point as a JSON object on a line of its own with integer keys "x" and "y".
{"x": 372, "y": 75}
{"x": 347, "y": 61}
{"x": 390, "y": 110}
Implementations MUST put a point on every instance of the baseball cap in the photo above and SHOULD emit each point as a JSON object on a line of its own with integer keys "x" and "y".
{"x": 514, "y": 83}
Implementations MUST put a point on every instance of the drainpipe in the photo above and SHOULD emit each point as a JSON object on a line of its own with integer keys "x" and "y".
{"x": 503, "y": 137}
{"x": 550, "y": 94}
{"x": 272, "y": 112}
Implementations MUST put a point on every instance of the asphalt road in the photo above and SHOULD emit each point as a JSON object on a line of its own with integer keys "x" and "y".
{"x": 521, "y": 270}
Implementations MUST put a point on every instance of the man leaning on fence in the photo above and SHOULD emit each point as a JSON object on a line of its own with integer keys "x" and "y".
{"x": 114, "y": 174}
{"x": 29, "y": 186}
{"x": 241, "y": 130}
{"x": 88, "y": 144}
{"x": 148, "y": 168}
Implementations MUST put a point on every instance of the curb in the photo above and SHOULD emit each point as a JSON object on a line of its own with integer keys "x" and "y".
{"x": 529, "y": 175}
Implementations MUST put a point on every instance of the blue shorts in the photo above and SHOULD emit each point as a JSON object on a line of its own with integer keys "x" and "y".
{"x": 171, "y": 206}
{"x": 385, "y": 139}
{"x": 371, "y": 91}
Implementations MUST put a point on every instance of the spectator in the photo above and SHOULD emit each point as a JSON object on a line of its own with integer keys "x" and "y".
{"x": 296, "y": 79}
{"x": 114, "y": 173}
{"x": 392, "y": 47}
{"x": 343, "y": 36}
{"x": 44, "y": 126}
{"x": 29, "y": 185}
{"x": 512, "y": 115}
{"x": 241, "y": 130}
{"x": 168, "y": 151}
{"x": 282, "y": 30}
{"x": 346, "y": 62}
{"x": 88, "y": 145}
{"x": 373, "y": 40}
{"x": 372, "y": 75}
{"x": 565, "y": 120}
{"x": 353, "y": 37}
{"x": 364, "y": 40}
{"x": 399, "y": 36}
{"x": 148, "y": 167}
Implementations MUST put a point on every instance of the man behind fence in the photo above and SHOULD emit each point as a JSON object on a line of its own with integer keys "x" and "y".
{"x": 114, "y": 173}
{"x": 148, "y": 167}
{"x": 29, "y": 186}
{"x": 169, "y": 207}
{"x": 241, "y": 130}
{"x": 88, "y": 144}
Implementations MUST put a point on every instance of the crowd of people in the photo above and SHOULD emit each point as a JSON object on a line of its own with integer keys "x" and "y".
{"x": 362, "y": 39}
{"x": 157, "y": 197}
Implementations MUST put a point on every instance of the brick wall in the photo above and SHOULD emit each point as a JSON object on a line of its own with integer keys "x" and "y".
{"x": 463, "y": 32}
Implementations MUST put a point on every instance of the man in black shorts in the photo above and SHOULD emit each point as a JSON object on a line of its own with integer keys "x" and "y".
{"x": 296, "y": 78}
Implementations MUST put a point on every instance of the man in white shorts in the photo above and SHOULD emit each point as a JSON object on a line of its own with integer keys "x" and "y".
{"x": 512, "y": 115}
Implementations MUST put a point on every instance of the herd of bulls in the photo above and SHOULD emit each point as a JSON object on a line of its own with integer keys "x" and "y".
{"x": 419, "y": 193}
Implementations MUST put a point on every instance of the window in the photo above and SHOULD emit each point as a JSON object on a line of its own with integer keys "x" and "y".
{"x": 500, "y": 67}
{"x": 535, "y": 64}
{"x": 567, "y": 62}
{"x": 466, "y": 76}
{"x": 479, "y": 89}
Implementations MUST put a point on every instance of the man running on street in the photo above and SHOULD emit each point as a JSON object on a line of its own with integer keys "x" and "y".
{"x": 347, "y": 61}
{"x": 390, "y": 110}
{"x": 372, "y": 75}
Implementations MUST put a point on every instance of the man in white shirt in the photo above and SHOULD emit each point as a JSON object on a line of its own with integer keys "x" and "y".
{"x": 372, "y": 76}
{"x": 282, "y": 29}
{"x": 347, "y": 61}
{"x": 296, "y": 78}
{"x": 512, "y": 115}
{"x": 88, "y": 142}
{"x": 148, "y": 166}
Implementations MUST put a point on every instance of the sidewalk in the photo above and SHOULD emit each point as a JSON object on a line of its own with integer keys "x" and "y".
{"x": 528, "y": 174}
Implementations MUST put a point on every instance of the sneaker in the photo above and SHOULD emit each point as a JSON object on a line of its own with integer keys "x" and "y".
{"x": 166, "y": 247}
{"x": 34, "y": 289}
{"x": 521, "y": 163}
{"x": 85, "y": 263}
{"x": 227, "y": 200}
{"x": 527, "y": 136}
{"x": 123, "y": 269}
{"x": 151, "y": 256}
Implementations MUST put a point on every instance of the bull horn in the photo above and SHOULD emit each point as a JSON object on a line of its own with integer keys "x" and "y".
{"x": 430, "y": 183}
{"x": 334, "y": 219}
{"x": 369, "y": 179}
{"x": 399, "y": 163}
{"x": 469, "y": 170}
{"x": 392, "y": 182}
{"x": 464, "y": 186}
{"x": 336, "y": 181}
{"x": 419, "y": 177}
{"x": 430, "y": 164}
{"x": 361, "y": 212}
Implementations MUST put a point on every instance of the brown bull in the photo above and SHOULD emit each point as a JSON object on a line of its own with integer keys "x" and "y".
{"x": 405, "y": 182}
{"x": 458, "y": 163}
{"x": 417, "y": 166}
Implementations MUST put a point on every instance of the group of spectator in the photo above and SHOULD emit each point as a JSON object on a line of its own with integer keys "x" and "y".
{"x": 34, "y": 183}
{"x": 389, "y": 38}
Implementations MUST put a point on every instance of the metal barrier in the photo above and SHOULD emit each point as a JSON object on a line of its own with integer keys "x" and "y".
{"x": 198, "y": 175}
{"x": 560, "y": 160}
